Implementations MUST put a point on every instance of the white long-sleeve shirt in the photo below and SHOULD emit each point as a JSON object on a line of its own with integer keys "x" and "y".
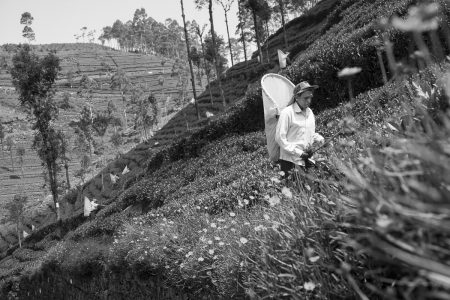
{"x": 295, "y": 131}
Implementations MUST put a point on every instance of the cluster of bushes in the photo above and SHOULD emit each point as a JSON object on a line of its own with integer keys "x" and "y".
{"x": 349, "y": 43}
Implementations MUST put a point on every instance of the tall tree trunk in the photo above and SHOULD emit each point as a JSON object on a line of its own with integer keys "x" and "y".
{"x": 213, "y": 35}
{"x": 66, "y": 166}
{"x": 242, "y": 32}
{"x": 12, "y": 161}
{"x": 267, "y": 42}
{"x": 207, "y": 74}
{"x": 199, "y": 77}
{"x": 18, "y": 235}
{"x": 186, "y": 38}
{"x": 53, "y": 187}
{"x": 280, "y": 2}
{"x": 229, "y": 42}
{"x": 255, "y": 22}
{"x": 124, "y": 111}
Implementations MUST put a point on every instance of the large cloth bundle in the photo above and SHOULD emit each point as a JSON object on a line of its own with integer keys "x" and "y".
{"x": 277, "y": 93}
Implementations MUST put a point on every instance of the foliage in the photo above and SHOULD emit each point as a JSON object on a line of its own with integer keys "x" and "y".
{"x": 349, "y": 42}
{"x": 28, "y": 33}
{"x": 34, "y": 79}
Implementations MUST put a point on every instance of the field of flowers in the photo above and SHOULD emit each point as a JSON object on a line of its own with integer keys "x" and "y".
{"x": 211, "y": 217}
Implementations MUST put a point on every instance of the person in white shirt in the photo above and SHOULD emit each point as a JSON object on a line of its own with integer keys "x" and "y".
{"x": 296, "y": 129}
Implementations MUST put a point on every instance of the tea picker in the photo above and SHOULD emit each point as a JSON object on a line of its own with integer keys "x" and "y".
{"x": 289, "y": 122}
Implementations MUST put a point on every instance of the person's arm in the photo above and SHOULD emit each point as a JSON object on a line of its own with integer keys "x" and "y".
{"x": 281, "y": 136}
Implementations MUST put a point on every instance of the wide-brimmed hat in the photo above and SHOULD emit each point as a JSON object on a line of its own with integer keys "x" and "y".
{"x": 304, "y": 86}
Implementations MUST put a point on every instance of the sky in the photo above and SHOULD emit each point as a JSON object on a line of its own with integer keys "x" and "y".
{"x": 57, "y": 21}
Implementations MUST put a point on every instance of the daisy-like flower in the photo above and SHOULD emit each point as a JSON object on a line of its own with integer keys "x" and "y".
{"x": 274, "y": 200}
{"x": 200, "y": 259}
{"x": 210, "y": 242}
{"x": 211, "y": 251}
{"x": 221, "y": 244}
{"x": 309, "y": 286}
{"x": 213, "y": 225}
{"x": 189, "y": 253}
{"x": 232, "y": 214}
{"x": 259, "y": 228}
{"x": 287, "y": 192}
{"x": 217, "y": 238}
{"x": 266, "y": 217}
{"x": 314, "y": 259}
{"x": 243, "y": 240}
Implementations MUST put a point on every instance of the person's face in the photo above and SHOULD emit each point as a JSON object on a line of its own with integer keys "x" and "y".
{"x": 304, "y": 99}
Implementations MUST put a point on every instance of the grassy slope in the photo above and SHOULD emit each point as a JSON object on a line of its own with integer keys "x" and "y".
{"x": 195, "y": 211}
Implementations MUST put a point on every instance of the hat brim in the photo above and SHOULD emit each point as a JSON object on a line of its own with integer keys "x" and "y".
{"x": 311, "y": 87}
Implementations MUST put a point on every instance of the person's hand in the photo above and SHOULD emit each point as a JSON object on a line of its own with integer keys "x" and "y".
{"x": 305, "y": 155}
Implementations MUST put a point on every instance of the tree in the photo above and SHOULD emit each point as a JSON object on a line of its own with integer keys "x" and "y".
{"x": 70, "y": 78}
{"x": 200, "y": 4}
{"x": 236, "y": 48}
{"x": 117, "y": 140}
{"x": 86, "y": 88}
{"x": 20, "y": 151}
{"x": 121, "y": 81}
{"x": 281, "y": 8}
{"x": 243, "y": 27}
{"x": 255, "y": 6}
{"x": 186, "y": 37}
{"x": 161, "y": 81}
{"x": 106, "y": 35}
{"x": 10, "y": 142}
{"x": 210, "y": 51}
{"x": 226, "y": 5}
{"x": 83, "y": 32}
{"x": 86, "y": 124}
{"x": 16, "y": 209}
{"x": 85, "y": 163}
{"x": 196, "y": 58}
{"x": 2, "y": 136}
{"x": 28, "y": 33}
{"x": 34, "y": 78}
{"x": 101, "y": 123}
{"x": 154, "y": 110}
{"x": 200, "y": 32}
{"x": 65, "y": 101}
{"x": 64, "y": 157}
{"x": 139, "y": 24}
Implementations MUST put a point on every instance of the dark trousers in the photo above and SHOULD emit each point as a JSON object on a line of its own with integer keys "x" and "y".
{"x": 286, "y": 166}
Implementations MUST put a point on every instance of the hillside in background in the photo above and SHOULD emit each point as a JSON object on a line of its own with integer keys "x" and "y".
{"x": 99, "y": 63}
{"x": 204, "y": 213}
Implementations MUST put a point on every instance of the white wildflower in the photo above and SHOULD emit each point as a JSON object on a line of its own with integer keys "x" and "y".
{"x": 309, "y": 286}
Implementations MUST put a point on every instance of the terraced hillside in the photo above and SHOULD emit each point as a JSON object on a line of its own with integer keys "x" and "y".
{"x": 99, "y": 64}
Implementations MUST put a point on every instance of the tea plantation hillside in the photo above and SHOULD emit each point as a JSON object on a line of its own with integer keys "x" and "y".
{"x": 77, "y": 60}
{"x": 209, "y": 216}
